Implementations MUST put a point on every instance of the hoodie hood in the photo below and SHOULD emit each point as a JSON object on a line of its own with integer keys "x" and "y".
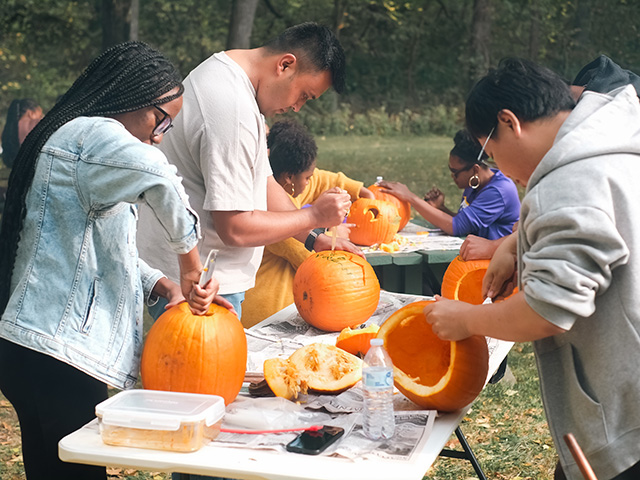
{"x": 600, "y": 124}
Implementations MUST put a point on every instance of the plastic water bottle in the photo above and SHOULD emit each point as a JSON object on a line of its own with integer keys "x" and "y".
{"x": 377, "y": 383}
{"x": 378, "y": 180}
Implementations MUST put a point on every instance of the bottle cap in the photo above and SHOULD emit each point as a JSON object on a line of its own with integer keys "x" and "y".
{"x": 378, "y": 179}
{"x": 376, "y": 342}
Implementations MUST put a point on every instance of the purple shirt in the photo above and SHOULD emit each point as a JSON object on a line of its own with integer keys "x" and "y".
{"x": 490, "y": 211}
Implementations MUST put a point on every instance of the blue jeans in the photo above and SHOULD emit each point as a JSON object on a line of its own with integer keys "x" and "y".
{"x": 155, "y": 311}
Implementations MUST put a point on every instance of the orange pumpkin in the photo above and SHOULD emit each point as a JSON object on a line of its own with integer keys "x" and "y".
{"x": 463, "y": 280}
{"x": 433, "y": 373}
{"x": 195, "y": 353}
{"x": 335, "y": 289}
{"x": 404, "y": 208}
{"x": 376, "y": 221}
{"x": 317, "y": 367}
{"x": 357, "y": 340}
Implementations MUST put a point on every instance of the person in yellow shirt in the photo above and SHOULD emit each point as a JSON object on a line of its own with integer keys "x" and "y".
{"x": 292, "y": 154}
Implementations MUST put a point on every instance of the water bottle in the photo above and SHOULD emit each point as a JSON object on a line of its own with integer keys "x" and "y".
{"x": 377, "y": 384}
{"x": 378, "y": 180}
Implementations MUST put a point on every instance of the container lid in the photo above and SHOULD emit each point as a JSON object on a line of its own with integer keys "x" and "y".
{"x": 159, "y": 410}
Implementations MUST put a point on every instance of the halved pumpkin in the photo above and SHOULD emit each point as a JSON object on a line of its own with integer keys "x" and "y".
{"x": 463, "y": 280}
{"x": 433, "y": 373}
{"x": 316, "y": 367}
{"x": 356, "y": 341}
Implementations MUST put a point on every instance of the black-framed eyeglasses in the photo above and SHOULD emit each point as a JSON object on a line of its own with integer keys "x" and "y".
{"x": 457, "y": 171}
{"x": 164, "y": 125}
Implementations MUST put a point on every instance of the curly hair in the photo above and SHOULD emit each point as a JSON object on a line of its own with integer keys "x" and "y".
{"x": 467, "y": 148}
{"x": 292, "y": 149}
{"x": 125, "y": 78}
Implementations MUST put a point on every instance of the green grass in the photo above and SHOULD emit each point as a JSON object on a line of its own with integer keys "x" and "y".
{"x": 506, "y": 427}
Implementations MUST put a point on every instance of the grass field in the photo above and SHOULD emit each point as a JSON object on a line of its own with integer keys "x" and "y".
{"x": 506, "y": 427}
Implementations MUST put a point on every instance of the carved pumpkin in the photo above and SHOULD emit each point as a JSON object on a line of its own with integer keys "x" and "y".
{"x": 433, "y": 373}
{"x": 463, "y": 280}
{"x": 317, "y": 367}
{"x": 376, "y": 221}
{"x": 404, "y": 208}
{"x": 335, "y": 289}
{"x": 357, "y": 340}
{"x": 195, "y": 353}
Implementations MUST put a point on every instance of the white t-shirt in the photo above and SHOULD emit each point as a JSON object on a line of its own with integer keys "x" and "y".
{"x": 218, "y": 145}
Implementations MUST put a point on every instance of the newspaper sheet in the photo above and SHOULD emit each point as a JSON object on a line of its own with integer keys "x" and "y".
{"x": 414, "y": 237}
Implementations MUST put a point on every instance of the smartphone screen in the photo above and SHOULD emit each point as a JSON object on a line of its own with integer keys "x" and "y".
{"x": 312, "y": 443}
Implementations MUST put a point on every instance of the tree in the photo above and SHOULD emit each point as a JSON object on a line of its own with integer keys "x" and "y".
{"x": 115, "y": 22}
{"x": 480, "y": 58}
{"x": 241, "y": 24}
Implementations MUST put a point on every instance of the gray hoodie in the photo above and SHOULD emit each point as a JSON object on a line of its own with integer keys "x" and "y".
{"x": 579, "y": 264}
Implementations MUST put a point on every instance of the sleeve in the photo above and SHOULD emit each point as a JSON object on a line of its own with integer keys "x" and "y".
{"x": 291, "y": 250}
{"x": 149, "y": 277}
{"x": 482, "y": 212}
{"x": 323, "y": 180}
{"x": 117, "y": 168}
{"x": 569, "y": 257}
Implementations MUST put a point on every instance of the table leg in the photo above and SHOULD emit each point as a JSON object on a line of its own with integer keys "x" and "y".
{"x": 466, "y": 454}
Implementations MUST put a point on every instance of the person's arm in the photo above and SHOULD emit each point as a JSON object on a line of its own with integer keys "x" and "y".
{"x": 366, "y": 193}
{"x": 431, "y": 214}
{"x": 479, "y": 248}
{"x": 512, "y": 320}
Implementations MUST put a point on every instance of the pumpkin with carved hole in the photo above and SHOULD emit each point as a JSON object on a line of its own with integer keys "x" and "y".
{"x": 404, "y": 207}
{"x": 463, "y": 280}
{"x": 334, "y": 289}
{"x": 376, "y": 221}
{"x": 357, "y": 340}
{"x": 433, "y": 373}
{"x": 191, "y": 353}
{"x": 317, "y": 367}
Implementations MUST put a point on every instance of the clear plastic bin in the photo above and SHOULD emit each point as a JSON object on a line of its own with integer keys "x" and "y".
{"x": 180, "y": 422}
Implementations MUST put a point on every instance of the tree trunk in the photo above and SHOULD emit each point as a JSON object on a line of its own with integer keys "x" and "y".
{"x": 480, "y": 58}
{"x": 241, "y": 23}
{"x": 534, "y": 31}
{"x": 115, "y": 22}
{"x": 135, "y": 15}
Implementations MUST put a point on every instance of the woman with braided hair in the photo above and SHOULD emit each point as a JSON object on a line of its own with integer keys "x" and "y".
{"x": 72, "y": 286}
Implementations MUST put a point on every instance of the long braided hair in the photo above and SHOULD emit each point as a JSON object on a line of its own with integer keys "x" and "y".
{"x": 125, "y": 78}
{"x": 10, "y": 141}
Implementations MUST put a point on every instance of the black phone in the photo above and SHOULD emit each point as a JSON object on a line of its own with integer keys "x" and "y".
{"x": 314, "y": 442}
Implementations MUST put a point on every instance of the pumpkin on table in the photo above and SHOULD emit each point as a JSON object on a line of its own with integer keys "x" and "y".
{"x": 404, "y": 207}
{"x": 376, "y": 221}
{"x": 357, "y": 340}
{"x": 463, "y": 280}
{"x": 334, "y": 289}
{"x": 433, "y": 373}
{"x": 191, "y": 353}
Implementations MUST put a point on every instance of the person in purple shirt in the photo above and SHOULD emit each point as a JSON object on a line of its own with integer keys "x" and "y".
{"x": 490, "y": 204}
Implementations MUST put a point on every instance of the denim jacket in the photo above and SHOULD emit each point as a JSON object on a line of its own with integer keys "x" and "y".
{"x": 78, "y": 286}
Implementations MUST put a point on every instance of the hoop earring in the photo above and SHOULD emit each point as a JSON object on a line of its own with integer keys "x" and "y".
{"x": 477, "y": 182}
{"x": 293, "y": 190}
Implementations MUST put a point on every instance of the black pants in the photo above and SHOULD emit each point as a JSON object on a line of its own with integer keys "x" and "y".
{"x": 52, "y": 399}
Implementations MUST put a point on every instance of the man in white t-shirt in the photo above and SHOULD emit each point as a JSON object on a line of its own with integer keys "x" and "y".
{"x": 218, "y": 145}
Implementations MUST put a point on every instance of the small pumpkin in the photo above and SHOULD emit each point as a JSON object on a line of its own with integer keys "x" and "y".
{"x": 376, "y": 221}
{"x": 317, "y": 367}
{"x": 404, "y": 207}
{"x": 463, "y": 280}
{"x": 433, "y": 373}
{"x": 357, "y": 340}
{"x": 334, "y": 289}
{"x": 191, "y": 353}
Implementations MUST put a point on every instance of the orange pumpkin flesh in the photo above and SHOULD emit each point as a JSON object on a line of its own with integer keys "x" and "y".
{"x": 404, "y": 208}
{"x": 463, "y": 280}
{"x": 335, "y": 289}
{"x": 317, "y": 367}
{"x": 191, "y": 353}
{"x": 433, "y": 373}
{"x": 376, "y": 221}
{"x": 357, "y": 341}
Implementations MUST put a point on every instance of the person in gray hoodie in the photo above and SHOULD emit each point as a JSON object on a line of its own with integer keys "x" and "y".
{"x": 576, "y": 256}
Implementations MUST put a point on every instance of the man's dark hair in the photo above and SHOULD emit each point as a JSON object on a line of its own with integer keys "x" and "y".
{"x": 125, "y": 78}
{"x": 529, "y": 90}
{"x": 292, "y": 149}
{"x": 467, "y": 148}
{"x": 316, "y": 48}
{"x": 10, "y": 141}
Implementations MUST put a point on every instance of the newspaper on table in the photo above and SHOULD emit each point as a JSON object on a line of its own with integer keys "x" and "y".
{"x": 414, "y": 237}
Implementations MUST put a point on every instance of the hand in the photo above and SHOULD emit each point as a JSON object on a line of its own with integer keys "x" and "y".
{"x": 366, "y": 193}
{"x": 323, "y": 242}
{"x": 199, "y": 298}
{"x": 448, "y": 318}
{"x": 478, "y": 248}
{"x": 500, "y": 277}
{"x": 435, "y": 198}
{"x": 223, "y": 302}
{"x": 331, "y": 207}
{"x": 398, "y": 189}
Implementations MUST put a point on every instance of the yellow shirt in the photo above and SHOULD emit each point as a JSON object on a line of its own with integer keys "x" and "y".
{"x": 274, "y": 281}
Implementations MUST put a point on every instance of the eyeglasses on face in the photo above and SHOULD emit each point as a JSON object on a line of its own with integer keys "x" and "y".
{"x": 457, "y": 171}
{"x": 164, "y": 125}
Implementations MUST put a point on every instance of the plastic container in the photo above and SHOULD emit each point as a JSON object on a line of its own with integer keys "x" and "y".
{"x": 180, "y": 422}
{"x": 378, "y": 180}
{"x": 377, "y": 384}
